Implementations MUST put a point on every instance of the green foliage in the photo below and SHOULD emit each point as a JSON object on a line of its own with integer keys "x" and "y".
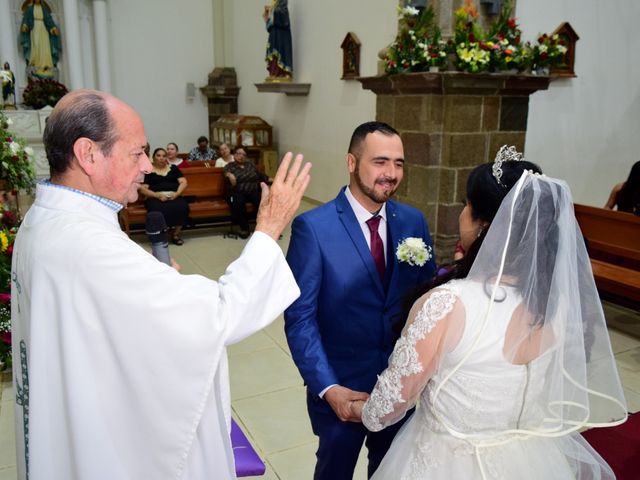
{"x": 16, "y": 167}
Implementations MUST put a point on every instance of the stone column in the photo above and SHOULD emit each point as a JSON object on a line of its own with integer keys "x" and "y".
{"x": 72, "y": 42}
{"x": 102, "y": 44}
{"x": 449, "y": 123}
{"x": 222, "y": 91}
{"x": 8, "y": 38}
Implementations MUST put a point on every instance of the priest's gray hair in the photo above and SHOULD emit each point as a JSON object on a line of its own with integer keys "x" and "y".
{"x": 83, "y": 113}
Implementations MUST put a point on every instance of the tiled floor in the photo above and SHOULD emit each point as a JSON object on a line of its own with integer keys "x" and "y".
{"x": 267, "y": 393}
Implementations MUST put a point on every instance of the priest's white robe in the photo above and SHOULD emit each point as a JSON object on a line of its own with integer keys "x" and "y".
{"x": 120, "y": 364}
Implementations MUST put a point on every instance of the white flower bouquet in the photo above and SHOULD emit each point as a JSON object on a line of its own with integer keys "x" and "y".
{"x": 414, "y": 251}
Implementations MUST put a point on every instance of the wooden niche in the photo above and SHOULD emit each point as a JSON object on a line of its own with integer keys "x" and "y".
{"x": 350, "y": 56}
{"x": 568, "y": 37}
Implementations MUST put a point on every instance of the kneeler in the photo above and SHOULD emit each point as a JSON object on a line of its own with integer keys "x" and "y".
{"x": 248, "y": 463}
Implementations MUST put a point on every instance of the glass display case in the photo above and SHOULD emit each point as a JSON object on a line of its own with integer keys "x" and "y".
{"x": 238, "y": 130}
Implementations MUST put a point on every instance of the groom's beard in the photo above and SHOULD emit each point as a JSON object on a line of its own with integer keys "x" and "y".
{"x": 371, "y": 193}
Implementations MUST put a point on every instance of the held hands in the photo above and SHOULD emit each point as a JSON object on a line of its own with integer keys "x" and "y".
{"x": 280, "y": 202}
{"x": 345, "y": 401}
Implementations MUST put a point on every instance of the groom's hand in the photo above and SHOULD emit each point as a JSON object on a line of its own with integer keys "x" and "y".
{"x": 340, "y": 399}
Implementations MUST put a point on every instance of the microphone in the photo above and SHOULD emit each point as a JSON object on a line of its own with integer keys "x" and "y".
{"x": 156, "y": 228}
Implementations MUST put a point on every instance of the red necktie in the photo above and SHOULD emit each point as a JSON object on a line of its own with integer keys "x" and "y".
{"x": 377, "y": 250}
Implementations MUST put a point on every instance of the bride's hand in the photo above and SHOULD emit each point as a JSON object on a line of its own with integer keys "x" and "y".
{"x": 340, "y": 399}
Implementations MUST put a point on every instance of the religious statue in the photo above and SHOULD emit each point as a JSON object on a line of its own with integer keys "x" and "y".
{"x": 8, "y": 80}
{"x": 40, "y": 39}
{"x": 279, "y": 52}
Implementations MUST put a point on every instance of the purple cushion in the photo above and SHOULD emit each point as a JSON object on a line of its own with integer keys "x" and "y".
{"x": 248, "y": 463}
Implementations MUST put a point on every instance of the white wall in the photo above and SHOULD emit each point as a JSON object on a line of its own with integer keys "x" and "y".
{"x": 157, "y": 46}
{"x": 319, "y": 125}
{"x": 586, "y": 130}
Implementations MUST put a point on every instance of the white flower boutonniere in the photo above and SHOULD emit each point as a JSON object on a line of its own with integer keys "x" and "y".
{"x": 414, "y": 251}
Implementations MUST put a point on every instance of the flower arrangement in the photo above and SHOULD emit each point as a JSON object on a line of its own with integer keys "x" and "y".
{"x": 414, "y": 251}
{"x": 437, "y": 51}
{"x": 40, "y": 93}
{"x": 16, "y": 167}
{"x": 412, "y": 49}
{"x": 419, "y": 46}
{"x": 548, "y": 52}
{"x": 8, "y": 229}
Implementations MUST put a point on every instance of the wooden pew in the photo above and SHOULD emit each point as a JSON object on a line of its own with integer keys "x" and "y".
{"x": 613, "y": 240}
{"x": 207, "y": 192}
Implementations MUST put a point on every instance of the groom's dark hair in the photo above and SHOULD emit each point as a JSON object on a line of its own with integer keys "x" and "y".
{"x": 361, "y": 132}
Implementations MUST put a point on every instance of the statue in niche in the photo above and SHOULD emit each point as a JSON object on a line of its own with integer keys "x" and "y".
{"x": 279, "y": 52}
{"x": 40, "y": 40}
{"x": 8, "y": 81}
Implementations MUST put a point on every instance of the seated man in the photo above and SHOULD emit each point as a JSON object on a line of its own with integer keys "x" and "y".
{"x": 202, "y": 151}
{"x": 245, "y": 187}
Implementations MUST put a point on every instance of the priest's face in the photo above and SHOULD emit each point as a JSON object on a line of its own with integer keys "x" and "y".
{"x": 122, "y": 170}
{"x": 377, "y": 170}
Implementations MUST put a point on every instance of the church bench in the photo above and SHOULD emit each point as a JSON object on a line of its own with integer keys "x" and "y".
{"x": 206, "y": 193}
{"x": 613, "y": 242}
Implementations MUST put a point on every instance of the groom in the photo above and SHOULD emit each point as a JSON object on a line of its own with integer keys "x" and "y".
{"x": 342, "y": 255}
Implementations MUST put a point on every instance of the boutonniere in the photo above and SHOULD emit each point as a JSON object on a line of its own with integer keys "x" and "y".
{"x": 414, "y": 251}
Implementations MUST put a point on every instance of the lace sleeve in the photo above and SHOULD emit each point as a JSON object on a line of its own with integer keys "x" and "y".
{"x": 410, "y": 364}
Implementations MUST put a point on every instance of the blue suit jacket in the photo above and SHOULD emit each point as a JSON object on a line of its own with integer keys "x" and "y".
{"x": 340, "y": 328}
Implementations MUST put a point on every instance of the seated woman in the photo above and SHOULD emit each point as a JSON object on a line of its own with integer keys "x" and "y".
{"x": 163, "y": 188}
{"x": 509, "y": 356}
{"x": 172, "y": 156}
{"x": 245, "y": 187}
{"x": 225, "y": 157}
{"x": 626, "y": 195}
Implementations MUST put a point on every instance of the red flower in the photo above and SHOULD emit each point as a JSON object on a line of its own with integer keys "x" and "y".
{"x": 472, "y": 38}
{"x": 511, "y": 23}
{"x": 543, "y": 56}
{"x": 9, "y": 218}
{"x": 6, "y": 337}
{"x": 5, "y": 297}
{"x": 10, "y": 250}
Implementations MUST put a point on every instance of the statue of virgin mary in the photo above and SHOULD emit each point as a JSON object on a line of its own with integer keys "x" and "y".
{"x": 40, "y": 39}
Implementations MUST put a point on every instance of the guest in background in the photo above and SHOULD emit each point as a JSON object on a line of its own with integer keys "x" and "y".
{"x": 626, "y": 196}
{"x": 163, "y": 188}
{"x": 202, "y": 151}
{"x": 225, "y": 157}
{"x": 172, "y": 156}
{"x": 245, "y": 182}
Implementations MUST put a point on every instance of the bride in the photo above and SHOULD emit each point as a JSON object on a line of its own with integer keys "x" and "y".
{"x": 508, "y": 357}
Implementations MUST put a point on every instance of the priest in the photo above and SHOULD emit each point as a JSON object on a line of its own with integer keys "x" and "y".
{"x": 120, "y": 368}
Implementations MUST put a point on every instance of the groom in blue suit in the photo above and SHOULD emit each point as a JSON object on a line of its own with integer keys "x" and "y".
{"x": 340, "y": 330}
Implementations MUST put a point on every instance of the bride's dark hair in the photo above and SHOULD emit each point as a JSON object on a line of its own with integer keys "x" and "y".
{"x": 485, "y": 195}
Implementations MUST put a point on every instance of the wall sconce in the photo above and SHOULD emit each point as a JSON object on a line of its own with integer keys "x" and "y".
{"x": 492, "y": 6}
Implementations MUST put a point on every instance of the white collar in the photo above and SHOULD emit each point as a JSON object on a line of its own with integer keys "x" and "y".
{"x": 361, "y": 213}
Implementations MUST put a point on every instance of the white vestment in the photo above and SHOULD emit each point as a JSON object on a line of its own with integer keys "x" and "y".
{"x": 120, "y": 365}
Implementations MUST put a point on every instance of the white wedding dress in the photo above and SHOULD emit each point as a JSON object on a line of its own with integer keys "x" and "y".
{"x": 474, "y": 417}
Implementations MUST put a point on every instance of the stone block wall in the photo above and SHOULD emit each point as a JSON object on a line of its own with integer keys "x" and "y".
{"x": 449, "y": 123}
